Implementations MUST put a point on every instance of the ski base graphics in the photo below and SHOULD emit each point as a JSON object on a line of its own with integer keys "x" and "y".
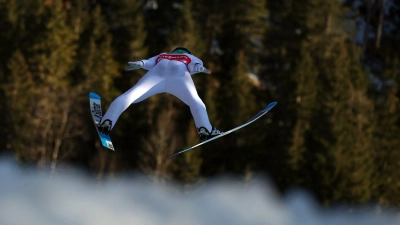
{"x": 95, "y": 109}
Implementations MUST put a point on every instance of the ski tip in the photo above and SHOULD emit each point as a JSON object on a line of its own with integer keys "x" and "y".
{"x": 94, "y": 95}
{"x": 270, "y": 105}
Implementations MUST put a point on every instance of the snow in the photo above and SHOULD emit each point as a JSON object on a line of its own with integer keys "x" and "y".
{"x": 30, "y": 196}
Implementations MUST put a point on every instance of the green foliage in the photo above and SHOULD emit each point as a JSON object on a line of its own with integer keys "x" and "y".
{"x": 386, "y": 141}
{"x": 351, "y": 117}
{"x": 330, "y": 150}
{"x": 38, "y": 81}
{"x": 17, "y": 90}
{"x": 234, "y": 99}
{"x": 96, "y": 65}
{"x": 306, "y": 75}
{"x": 186, "y": 32}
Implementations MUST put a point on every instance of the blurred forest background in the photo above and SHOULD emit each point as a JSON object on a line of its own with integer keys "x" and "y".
{"x": 332, "y": 66}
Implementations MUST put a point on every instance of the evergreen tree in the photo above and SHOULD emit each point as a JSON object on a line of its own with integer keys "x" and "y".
{"x": 126, "y": 22}
{"x": 95, "y": 70}
{"x": 153, "y": 159}
{"x": 239, "y": 34}
{"x": 46, "y": 47}
{"x": 160, "y": 21}
{"x": 186, "y": 33}
{"x": 306, "y": 77}
{"x": 351, "y": 118}
{"x": 377, "y": 35}
{"x": 19, "y": 87}
{"x": 331, "y": 141}
{"x": 281, "y": 53}
{"x": 4, "y": 54}
{"x": 187, "y": 168}
{"x": 337, "y": 157}
{"x": 386, "y": 141}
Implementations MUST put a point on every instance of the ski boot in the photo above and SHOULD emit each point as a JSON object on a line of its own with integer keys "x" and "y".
{"x": 105, "y": 127}
{"x": 205, "y": 135}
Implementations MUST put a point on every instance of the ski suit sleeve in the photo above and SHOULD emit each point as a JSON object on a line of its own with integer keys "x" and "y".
{"x": 195, "y": 62}
{"x": 196, "y": 66}
{"x": 149, "y": 63}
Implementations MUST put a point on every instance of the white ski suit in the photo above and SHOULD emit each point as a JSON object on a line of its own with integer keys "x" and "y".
{"x": 168, "y": 72}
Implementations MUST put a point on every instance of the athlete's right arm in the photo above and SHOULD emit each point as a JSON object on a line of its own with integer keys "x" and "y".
{"x": 134, "y": 65}
{"x": 146, "y": 64}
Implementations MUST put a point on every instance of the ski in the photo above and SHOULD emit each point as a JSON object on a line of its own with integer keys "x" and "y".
{"x": 95, "y": 109}
{"x": 256, "y": 117}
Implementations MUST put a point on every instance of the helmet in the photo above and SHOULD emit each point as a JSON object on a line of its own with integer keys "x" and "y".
{"x": 181, "y": 50}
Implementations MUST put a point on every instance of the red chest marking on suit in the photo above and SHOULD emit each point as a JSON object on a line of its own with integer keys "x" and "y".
{"x": 176, "y": 57}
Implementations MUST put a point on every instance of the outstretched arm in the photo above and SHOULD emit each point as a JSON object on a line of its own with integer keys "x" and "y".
{"x": 145, "y": 64}
{"x": 135, "y": 65}
{"x": 196, "y": 66}
{"x": 199, "y": 68}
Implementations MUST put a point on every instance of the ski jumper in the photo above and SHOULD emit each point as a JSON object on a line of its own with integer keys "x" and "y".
{"x": 170, "y": 73}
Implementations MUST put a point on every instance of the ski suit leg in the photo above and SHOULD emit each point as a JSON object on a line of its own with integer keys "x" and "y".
{"x": 184, "y": 89}
{"x": 149, "y": 85}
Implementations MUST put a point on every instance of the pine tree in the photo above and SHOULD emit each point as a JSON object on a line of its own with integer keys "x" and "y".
{"x": 19, "y": 86}
{"x": 126, "y": 21}
{"x": 380, "y": 53}
{"x": 331, "y": 142}
{"x": 239, "y": 34}
{"x": 46, "y": 47}
{"x": 153, "y": 159}
{"x": 386, "y": 142}
{"x": 283, "y": 51}
{"x": 126, "y": 24}
{"x": 186, "y": 33}
{"x": 4, "y": 55}
{"x": 160, "y": 21}
{"x": 95, "y": 70}
{"x": 351, "y": 118}
{"x": 306, "y": 76}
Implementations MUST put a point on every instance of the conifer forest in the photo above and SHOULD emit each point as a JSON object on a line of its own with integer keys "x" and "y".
{"x": 333, "y": 67}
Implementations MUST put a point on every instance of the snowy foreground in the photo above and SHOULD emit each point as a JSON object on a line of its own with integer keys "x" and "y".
{"x": 30, "y": 197}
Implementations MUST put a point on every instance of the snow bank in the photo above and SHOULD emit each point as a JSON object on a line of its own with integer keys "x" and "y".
{"x": 28, "y": 196}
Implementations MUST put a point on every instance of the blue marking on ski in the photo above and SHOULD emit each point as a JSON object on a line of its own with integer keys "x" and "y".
{"x": 94, "y": 96}
{"x": 260, "y": 114}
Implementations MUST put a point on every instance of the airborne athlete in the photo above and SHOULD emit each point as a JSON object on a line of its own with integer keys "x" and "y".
{"x": 170, "y": 73}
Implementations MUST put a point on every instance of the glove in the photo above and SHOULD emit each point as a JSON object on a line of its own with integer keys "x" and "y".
{"x": 200, "y": 69}
{"x": 134, "y": 65}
